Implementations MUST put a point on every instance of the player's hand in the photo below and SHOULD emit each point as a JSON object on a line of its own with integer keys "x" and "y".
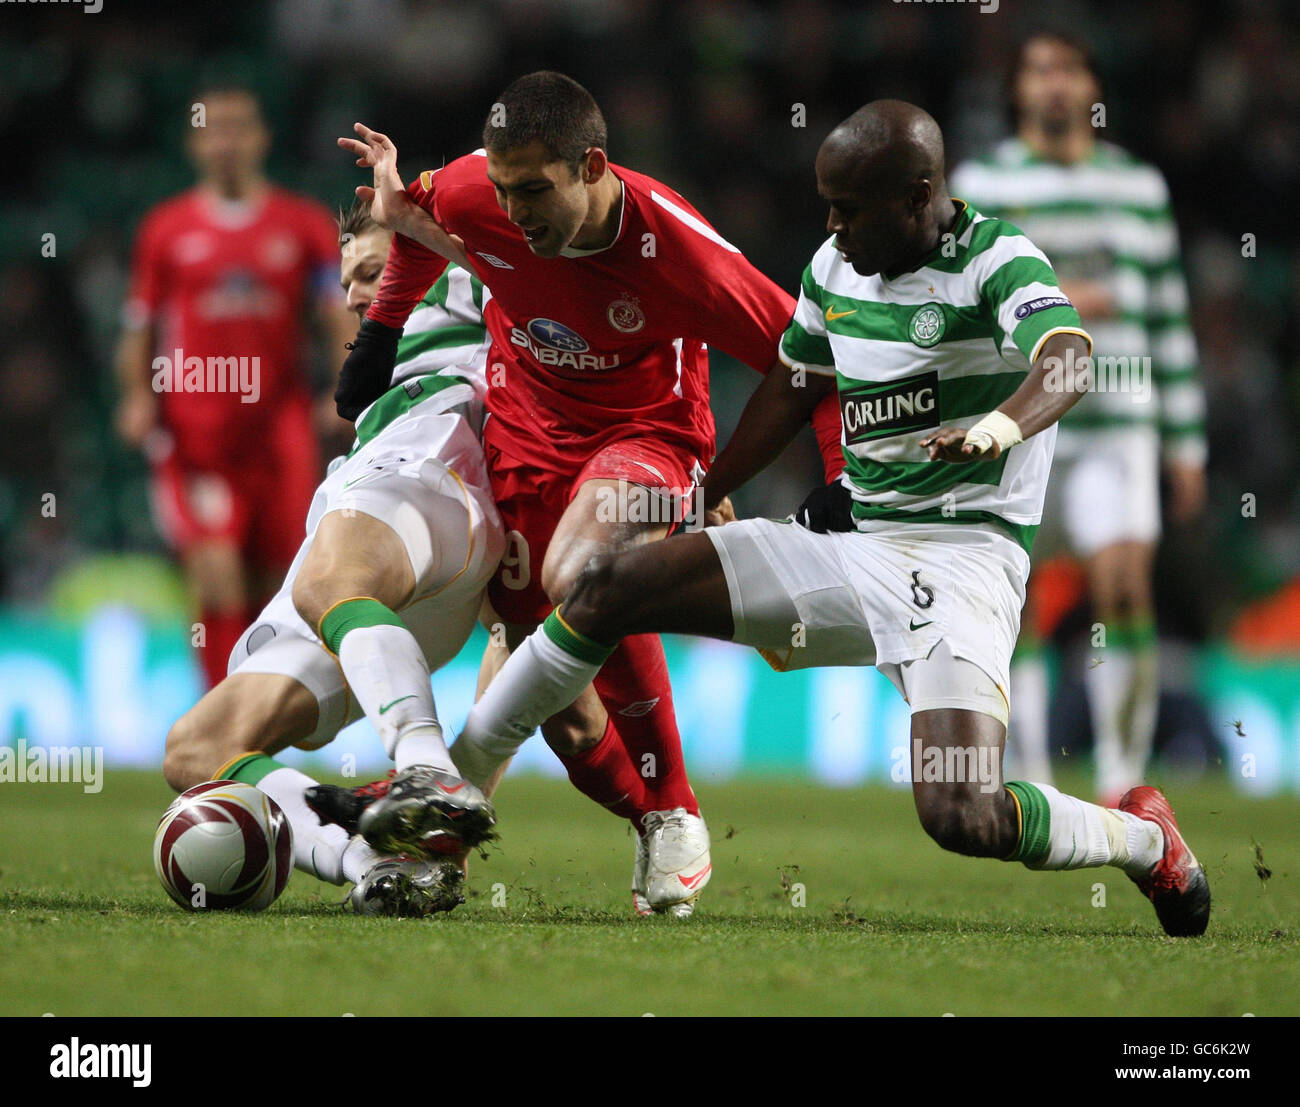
{"x": 136, "y": 416}
{"x": 1186, "y": 490}
{"x": 826, "y": 510}
{"x": 949, "y": 444}
{"x": 390, "y": 206}
{"x": 721, "y": 515}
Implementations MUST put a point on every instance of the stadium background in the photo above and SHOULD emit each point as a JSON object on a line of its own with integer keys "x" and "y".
{"x": 94, "y": 625}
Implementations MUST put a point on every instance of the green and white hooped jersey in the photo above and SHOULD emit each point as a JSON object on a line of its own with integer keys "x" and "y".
{"x": 443, "y": 348}
{"x": 942, "y": 345}
{"x": 446, "y": 329}
{"x": 1108, "y": 219}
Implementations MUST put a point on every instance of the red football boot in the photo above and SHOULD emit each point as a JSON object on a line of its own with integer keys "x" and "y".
{"x": 1177, "y": 884}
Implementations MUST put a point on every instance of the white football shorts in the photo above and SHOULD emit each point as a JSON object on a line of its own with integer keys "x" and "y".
{"x": 1104, "y": 488}
{"x": 426, "y": 478}
{"x": 887, "y": 598}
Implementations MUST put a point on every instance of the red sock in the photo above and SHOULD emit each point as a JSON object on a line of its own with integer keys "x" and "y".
{"x": 221, "y": 633}
{"x": 633, "y": 686}
{"x": 606, "y": 775}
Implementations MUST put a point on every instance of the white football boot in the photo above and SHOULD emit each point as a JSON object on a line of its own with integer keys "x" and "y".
{"x": 672, "y": 863}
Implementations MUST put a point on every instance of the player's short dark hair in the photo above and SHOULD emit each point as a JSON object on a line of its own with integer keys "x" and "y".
{"x": 355, "y": 221}
{"x": 549, "y": 108}
{"x": 1077, "y": 43}
{"x": 211, "y": 90}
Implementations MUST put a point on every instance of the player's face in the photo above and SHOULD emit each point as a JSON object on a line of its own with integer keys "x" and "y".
{"x": 545, "y": 199}
{"x": 232, "y": 143}
{"x": 869, "y": 219}
{"x": 362, "y": 268}
{"x": 1054, "y": 88}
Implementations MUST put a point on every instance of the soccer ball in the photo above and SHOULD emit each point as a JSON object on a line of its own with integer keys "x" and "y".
{"x": 223, "y": 845}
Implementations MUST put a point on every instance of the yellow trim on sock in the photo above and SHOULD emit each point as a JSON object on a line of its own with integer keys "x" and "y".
{"x": 1020, "y": 823}
{"x": 219, "y": 774}
{"x": 325, "y": 615}
{"x": 565, "y": 623}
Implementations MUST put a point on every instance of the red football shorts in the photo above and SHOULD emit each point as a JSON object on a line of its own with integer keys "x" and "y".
{"x": 531, "y": 501}
{"x": 257, "y": 502}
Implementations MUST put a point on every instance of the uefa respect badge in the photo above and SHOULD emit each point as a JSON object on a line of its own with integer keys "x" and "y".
{"x": 927, "y": 325}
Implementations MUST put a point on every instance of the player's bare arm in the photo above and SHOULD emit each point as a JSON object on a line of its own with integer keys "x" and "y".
{"x": 392, "y": 208}
{"x": 137, "y": 410}
{"x": 781, "y": 405}
{"x": 1034, "y": 406}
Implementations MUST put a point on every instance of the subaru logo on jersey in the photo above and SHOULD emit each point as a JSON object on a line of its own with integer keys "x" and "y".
{"x": 1041, "y": 304}
{"x": 554, "y": 344}
{"x": 880, "y": 410}
{"x": 557, "y": 336}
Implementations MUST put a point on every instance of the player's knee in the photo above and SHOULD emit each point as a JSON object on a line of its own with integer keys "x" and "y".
{"x": 185, "y": 758}
{"x": 959, "y": 821}
{"x": 569, "y": 737}
{"x": 599, "y": 598}
{"x": 312, "y": 597}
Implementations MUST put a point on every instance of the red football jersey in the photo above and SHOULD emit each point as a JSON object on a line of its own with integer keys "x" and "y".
{"x": 596, "y": 346}
{"x": 223, "y": 281}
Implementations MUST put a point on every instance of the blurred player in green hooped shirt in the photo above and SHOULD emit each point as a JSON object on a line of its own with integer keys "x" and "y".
{"x": 1103, "y": 218}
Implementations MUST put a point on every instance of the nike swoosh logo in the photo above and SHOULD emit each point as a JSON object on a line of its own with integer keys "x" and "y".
{"x": 452, "y": 791}
{"x": 396, "y": 701}
{"x": 691, "y": 882}
{"x": 832, "y": 314}
{"x": 913, "y": 625}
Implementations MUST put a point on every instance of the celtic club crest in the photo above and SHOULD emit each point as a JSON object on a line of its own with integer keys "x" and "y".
{"x": 927, "y": 325}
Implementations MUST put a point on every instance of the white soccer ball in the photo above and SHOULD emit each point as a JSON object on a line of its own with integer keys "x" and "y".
{"x": 223, "y": 845}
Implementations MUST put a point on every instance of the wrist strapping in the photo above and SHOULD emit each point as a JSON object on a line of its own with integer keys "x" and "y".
{"x": 997, "y": 428}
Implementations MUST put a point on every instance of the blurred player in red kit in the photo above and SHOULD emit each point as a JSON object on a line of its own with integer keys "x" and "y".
{"x": 607, "y": 289}
{"x": 211, "y": 365}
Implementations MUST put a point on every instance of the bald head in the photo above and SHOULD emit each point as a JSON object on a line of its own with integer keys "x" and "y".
{"x": 890, "y": 137}
{"x": 881, "y": 170}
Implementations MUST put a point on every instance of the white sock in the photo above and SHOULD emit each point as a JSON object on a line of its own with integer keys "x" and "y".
{"x": 1028, "y": 756}
{"x": 539, "y": 679}
{"x": 1144, "y": 703}
{"x": 387, "y": 673}
{"x": 1109, "y": 686}
{"x": 359, "y": 857}
{"x": 1065, "y": 832}
{"x": 317, "y": 849}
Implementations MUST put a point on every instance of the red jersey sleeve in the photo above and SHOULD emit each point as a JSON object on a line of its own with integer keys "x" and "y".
{"x": 749, "y": 314}
{"x": 826, "y": 426}
{"x": 320, "y": 239}
{"x": 411, "y": 268}
{"x": 148, "y": 276}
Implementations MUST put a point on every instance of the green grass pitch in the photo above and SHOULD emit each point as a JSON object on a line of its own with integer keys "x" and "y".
{"x": 889, "y": 924}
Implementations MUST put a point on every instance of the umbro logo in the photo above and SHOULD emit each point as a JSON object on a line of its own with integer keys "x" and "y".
{"x": 493, "y": 260}
{"x": 642, "y": 707}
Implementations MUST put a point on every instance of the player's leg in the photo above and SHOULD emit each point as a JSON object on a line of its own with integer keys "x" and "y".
{"x": 673, "y": 587}
{"x": 1028, "y": 749}
{"x": 958, "y": 729}
{"x": 246, "y": 711}
{"x": 203, "y": 516}
{"x": 1123, "y": 678}
{"x": 349, "y": 588}
{"x": 215, "y": 571}
{"x": 581, "y": 733}
{"x": 578, "y": 728}
{"x": 605, "y": 516}
{"x": 1113, "y": 514}
{"x": 254, "y": 713}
